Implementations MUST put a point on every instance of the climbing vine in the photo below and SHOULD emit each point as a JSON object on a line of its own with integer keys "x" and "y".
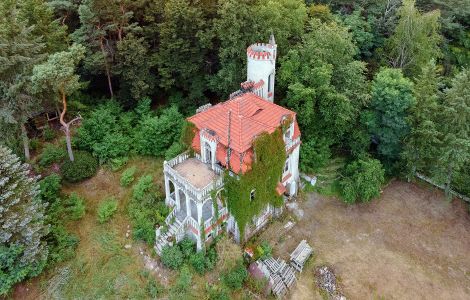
{"x": 265, "y": 173}
{"x": 187, "y": 134}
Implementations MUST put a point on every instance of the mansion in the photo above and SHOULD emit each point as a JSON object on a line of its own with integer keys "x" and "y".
{"x": 223, "y": 140}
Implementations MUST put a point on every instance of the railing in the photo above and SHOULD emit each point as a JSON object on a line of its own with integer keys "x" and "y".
{"x": 193, "y": 223}
{"x": 222, "y": 211}
{"x": 291, "y": 143}
{"x": 208, "y": 223}
{"x": 170, "y": 216}
{"x": 196, "y": 193}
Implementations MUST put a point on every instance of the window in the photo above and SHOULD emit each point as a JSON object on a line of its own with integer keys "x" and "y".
{"x": 287, "y": 134}
{"x": 252, "y": 195}
{"x": 270, "y": 78}
{"x": 286, "y": 166}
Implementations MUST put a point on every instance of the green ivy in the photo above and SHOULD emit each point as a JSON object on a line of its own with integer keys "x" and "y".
{"x": 187, "y": 134}
{"x": 265, "y": 173}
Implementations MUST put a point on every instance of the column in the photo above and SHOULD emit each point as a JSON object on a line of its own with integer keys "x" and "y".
{"x": 177, "y": 197}
{"x": 188, "y": 205}
{"x": 167, "y": 190}
{"x": 199, "y": 221}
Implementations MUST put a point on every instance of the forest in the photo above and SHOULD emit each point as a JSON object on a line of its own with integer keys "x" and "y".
{"x": 383, "y": 84}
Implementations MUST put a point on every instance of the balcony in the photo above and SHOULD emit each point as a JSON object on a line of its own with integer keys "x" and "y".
{"x": 197, "y": 177}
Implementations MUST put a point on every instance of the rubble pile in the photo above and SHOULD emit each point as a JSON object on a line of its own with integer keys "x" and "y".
{"x": 326, "y": 280}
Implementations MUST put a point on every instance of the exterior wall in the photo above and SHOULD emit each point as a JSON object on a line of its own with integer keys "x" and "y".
{"x": 262, "y": 67}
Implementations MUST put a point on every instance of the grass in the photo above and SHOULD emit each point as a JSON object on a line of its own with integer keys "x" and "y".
{"x": 102, "y": 267}
{"x": 328, "y": 177}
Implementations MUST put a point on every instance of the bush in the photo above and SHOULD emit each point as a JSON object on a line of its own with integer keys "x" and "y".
{"x": 181, "y": 287}
{"x": 234, "y": 278}
{"x": 314, "y": 154}
{"x": 84, "y": 166}
{"x": 174, "y": 150}
{"x": 118, "y": 163}
{"x": 34, "y": 144}
{"x": 362, "y": 180}
{"x": 215, "y": 292}
{"x": 154, "y": 289}
{"x": 127, "y": 176}
{"x": 50, "y": 187}
{"x": 172, "y": 257}
{"x": 75, "y": 207}
{"x": 113, "y": 145}
{"x": 155, "y": 135}
{"x": 198, "y": 262}
{"x": 106, "y": 210}
{"x": 264, "y": 250}
{"x": 49, "y": 134}
{"x": 51, "y": 154}
{"x": 256, "y": 285}
{"x": 188, "y": 247}
{"x": 143, "y": 186}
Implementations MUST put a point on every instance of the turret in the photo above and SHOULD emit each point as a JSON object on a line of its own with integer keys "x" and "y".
{"x": 261, "y": 67}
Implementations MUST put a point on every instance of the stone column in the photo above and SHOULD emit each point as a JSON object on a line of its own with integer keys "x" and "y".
{"x": 199, "y": 222}
{"x": 177, "y": 197}
{"x": 188, "y": 205}
{"x": 167, "y": 190}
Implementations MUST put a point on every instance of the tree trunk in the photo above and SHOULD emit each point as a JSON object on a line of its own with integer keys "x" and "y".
{"x": 24, "y": 135}
{"x": 69, "y": 143}
{"x": 448, "y": 182}
{"x": 106, "y": 66}
{"x": 65, "y": 125}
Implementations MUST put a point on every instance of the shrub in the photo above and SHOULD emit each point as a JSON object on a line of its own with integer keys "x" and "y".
{"x": 174, "y": 150}
{"x": 362, "y": 180}
{"x": 34, "y": 143}
{"x": 182, "y": 284}
{"x": 127, "y": 176}
{"x": 172, "y": 257}
{"x": 50, "y": 187}
{"x": 215, "y": 292}
{"x": 51, "y": 154}
{"x": 187, "y": 246}
{"x": 198, "y": 262}
{"x": 49, "y": 134}
{"x": 84, "y": 166}
{"x": 106, "y": 210}
{"x": 264, "y": 250}
{"x": 154, "y": 289}
{"x": 118, "y": 163}
{"x": 75, "y": 207}
{"x": 155, "y": 135}
{"x": 234, "y": 278}
{"x": 143, "y": 186}
{"x": 113, "y": 145}
{"x": 314, "y": 153}
{"x": 256, "y": 285}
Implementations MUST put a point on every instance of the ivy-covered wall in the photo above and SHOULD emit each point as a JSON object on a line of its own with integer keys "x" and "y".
{"x": 266, "y": 172}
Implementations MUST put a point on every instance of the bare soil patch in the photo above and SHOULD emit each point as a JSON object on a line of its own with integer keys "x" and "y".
{"x": 409, "y": 244}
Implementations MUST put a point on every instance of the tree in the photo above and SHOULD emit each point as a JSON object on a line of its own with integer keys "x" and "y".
{"x": 422, "y": 145}
{"x": 362, "y": 180}
{"x": 415, "y": 40}
{"x": 104, "y": 23}
{"x": 387, "y": 118}
{"x": 181, "y": 55}
{"x": 23, "y": 254}
{"x": 57, "y": 75}
{"x": 326, "y": 86}
{"x": 455, "y": 127}
{"x": 20, "y": 49}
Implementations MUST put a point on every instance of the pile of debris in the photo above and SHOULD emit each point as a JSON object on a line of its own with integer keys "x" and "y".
{"x": 326, "y": 280}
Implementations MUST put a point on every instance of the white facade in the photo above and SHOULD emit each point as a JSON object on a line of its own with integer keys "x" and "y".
{"x": 261, "y": 65}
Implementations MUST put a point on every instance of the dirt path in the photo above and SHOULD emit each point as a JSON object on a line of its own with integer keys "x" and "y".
{"x": 410, "y": 244}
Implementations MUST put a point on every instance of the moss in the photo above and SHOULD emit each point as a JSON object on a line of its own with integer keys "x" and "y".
{"x": 265, "y": 173}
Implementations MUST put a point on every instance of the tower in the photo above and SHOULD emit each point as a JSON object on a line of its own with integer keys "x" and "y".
{"x": 261, "y": 67}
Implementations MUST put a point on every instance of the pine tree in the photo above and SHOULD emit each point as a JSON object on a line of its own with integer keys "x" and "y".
{"x": 421, "y": 146}
{"x": 22, "y": 253}
{"x": 455, "y": 127}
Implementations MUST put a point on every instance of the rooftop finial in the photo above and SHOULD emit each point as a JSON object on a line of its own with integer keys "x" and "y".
{"x": 272, "y": 41}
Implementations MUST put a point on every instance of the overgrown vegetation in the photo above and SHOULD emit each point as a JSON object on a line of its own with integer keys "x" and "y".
{"x": 106, "y": 209}
{"x": 270, "y": 156}
{"x": 84, "y": 166}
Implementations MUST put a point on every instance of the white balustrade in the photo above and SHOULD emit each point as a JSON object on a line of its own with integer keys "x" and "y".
{"x": 208, "y": 223}
{"x": 291, "y": 143}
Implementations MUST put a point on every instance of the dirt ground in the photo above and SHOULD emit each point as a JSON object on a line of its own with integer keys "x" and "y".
{"x": 409, "y": 244}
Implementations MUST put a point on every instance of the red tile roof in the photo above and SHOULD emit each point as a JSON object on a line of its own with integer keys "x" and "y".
{"x": 250, "y": 115}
